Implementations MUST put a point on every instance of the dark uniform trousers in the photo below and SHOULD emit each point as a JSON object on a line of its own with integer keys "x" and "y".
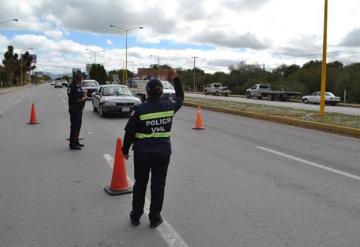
{"x": 75, "y": 125}
{"x": 158, "y": 165}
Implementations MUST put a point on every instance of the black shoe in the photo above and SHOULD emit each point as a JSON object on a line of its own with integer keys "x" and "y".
{"x": 156, "y": 223}
{"x": 134, "y": 222}
{"x": 75, "y": 148}
{"x": 80, "y": 145}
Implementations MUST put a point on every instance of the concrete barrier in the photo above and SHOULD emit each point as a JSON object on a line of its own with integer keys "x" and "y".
{"x": 347, "y": 131}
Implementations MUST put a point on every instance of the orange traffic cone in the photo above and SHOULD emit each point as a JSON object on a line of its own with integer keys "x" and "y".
{"x": 119, "y": 184}
{"x": 199, "y": 121}
{"x": 33, "y": 118}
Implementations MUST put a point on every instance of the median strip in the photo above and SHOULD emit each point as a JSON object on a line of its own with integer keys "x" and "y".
{"x": 333, "y": 122}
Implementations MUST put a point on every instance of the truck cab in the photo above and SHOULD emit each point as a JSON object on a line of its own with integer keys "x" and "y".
{"x": 257, "y": 90}
{"x": 216, "y": 89}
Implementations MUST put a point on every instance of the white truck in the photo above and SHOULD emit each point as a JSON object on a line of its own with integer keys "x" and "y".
{"x": 139, "y": 89}
{"x": 216, "y": 89}
{"x": 264, "y": 90}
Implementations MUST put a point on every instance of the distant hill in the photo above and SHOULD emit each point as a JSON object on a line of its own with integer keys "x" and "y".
{"x": 55, "y": 76}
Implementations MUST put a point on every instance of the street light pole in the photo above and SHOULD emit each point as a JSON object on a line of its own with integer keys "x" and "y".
{"x": 158, "y": 65}
{"x": 323, "y": 68}
{"x": 95, "y": 52}
{"x": 3, "y": 22}
{"x": 126, "y": 30}
{"x": 194, "y": 72}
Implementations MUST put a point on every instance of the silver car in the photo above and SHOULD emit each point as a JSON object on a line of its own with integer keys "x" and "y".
{"x": 330, "y": 98}
{"x": 89, "y": 86}
{"x": 114, "y": 99}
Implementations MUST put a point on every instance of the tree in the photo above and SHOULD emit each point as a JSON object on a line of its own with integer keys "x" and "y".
{"x": 97, "y": 72}
{"x": 11, "y": 62}
{"x": 25, "y": 66}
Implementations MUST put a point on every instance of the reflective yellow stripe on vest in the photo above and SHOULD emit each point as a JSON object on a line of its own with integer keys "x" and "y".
{"x": 155, "y": 115}
{"x": 153, "y": 135}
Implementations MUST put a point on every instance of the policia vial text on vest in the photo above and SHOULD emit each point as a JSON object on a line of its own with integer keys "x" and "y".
{"x": 148, "y": 131}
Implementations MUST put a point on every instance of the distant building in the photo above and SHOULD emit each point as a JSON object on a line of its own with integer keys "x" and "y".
{"x": 153, "y": 72}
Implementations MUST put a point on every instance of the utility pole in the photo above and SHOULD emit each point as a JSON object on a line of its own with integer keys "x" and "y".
{"x": 323, "y": 70}
{"x": 194, "y": 73}
{"x": 263, "y": 74}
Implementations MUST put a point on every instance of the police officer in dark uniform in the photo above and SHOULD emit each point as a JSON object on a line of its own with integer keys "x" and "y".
{"x": 76, "y": 100}
{"x": 148, "y": 130}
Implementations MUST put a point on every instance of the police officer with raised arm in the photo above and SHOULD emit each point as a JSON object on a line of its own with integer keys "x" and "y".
{"x": 76, "y": 100}
{"x": 148, "y": 130}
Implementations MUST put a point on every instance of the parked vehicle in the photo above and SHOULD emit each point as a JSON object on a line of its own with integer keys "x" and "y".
{"x": 58, "y": 84}
{"x": 64, "y": 83}
{"x": 89, "y": 86}
{"x": 114, "y": 99}
{"x": 330, "y": 98}
{"x": 264, "y": 90}
{"x": 216, "y": 89}
{"x": 139, "y": 89}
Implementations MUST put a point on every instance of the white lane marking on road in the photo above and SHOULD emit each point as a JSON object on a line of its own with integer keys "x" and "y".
{"x": 167, "y": 232}
{"x": 18, "y": 101}
{"x": 310, "y": 163}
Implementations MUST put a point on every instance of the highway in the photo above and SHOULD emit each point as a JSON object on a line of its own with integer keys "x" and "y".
{"x": 294, "y": 105}
{"x": 240, "y": 182}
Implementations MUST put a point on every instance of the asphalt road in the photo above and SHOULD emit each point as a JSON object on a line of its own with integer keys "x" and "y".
{"x": 240, "y": 182}
{"x": 294, "y": 105}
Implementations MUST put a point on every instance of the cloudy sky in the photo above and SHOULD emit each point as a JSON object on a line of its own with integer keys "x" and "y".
{"x": 68, "y": 34}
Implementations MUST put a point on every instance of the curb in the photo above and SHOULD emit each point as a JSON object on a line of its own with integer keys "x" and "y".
{"x": 346, "y": 131}
{"x": 13, "y": 89}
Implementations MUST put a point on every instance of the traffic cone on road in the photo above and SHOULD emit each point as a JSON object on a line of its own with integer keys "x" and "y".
{"x": 119, "y": 183}
{"x": 33, "y": 118}
{"x": 199, "y": 120}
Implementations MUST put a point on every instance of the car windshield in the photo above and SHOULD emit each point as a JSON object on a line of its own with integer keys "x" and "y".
{"x": 167, "y": 85}
{"x": 116, "y": 91}
{"x": 90, "y": 84}
{"x": 330, "y": 94}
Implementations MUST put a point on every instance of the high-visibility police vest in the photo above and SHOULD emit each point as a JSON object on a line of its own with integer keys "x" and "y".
{"x": 154, "y": 126}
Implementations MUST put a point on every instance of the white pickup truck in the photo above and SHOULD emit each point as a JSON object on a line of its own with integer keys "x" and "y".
{"x": 264, "y": 90}
{"x": 216, "y": 89}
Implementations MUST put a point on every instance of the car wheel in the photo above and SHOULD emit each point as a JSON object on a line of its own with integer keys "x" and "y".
{"x": 306, "y": 101}
{"x": 248, "y": 95}
{"x": 101, "y": 112}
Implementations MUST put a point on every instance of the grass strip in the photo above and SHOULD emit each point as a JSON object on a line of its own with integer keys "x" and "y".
{"x": 305, "y": 115}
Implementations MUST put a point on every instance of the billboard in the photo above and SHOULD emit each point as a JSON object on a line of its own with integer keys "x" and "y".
{"x": 88, "y": 67}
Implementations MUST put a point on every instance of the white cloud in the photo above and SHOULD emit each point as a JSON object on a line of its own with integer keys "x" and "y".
{"x": 352, "y": 39}
{"x": 56, "y": 34}
{"x": 259, "y": 31}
